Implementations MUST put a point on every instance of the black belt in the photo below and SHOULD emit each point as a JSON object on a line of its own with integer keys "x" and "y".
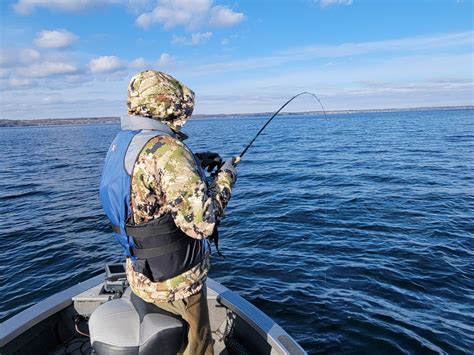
{"x": 163, "y": 250}
{"x": 145, "y": 231}
{"x": 148, "y": 253}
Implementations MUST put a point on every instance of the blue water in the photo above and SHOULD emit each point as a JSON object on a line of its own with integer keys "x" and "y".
{"x": 354, "y": 233}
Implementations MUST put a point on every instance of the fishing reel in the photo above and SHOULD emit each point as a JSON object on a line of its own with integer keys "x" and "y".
{"x": 210, "y": 162}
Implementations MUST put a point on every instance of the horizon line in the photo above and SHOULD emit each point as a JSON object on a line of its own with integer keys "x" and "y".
{"x": 206, "y": 115}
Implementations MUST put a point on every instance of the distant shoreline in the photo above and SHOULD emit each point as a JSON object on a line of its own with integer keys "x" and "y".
{"x": 116, "y": 120}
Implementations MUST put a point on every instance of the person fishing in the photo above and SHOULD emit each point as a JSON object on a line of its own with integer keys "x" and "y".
{"x": 162, "y": 209}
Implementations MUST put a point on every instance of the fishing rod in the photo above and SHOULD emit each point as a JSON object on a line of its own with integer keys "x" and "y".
{"x": 237, "y": 158}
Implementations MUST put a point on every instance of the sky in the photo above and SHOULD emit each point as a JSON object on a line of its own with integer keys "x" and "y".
{"x": 74, "y": 58}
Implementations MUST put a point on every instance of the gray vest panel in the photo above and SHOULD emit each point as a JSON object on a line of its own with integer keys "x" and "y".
{"x": 136, "y": 146}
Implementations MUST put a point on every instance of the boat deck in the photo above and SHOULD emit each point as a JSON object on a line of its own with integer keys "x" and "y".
{"x": 49, "y": 327}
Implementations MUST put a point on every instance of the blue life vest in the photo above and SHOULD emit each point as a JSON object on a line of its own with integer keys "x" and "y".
{"x": 158, "y": 248}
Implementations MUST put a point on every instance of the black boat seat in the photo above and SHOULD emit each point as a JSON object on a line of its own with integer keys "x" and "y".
{"x": 133, "y": 326}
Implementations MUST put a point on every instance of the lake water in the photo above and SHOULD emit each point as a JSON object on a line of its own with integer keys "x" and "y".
{"x": 354, "y": 233}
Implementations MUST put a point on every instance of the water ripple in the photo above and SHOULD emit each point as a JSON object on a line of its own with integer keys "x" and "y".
{"x": 354, "y": 233}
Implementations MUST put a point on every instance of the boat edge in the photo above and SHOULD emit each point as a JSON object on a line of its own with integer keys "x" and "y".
{"x": 26, "y": 319}
{"x": 267, "y": 327}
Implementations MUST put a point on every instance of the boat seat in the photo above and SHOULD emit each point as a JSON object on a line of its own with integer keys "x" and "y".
{"x": 133, "y": 326}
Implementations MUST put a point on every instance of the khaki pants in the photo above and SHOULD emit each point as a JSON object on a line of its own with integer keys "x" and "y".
{"x": 195, "y": 312}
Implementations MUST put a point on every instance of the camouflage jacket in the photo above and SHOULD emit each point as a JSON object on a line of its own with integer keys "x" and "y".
{"x": 167, "y": 179}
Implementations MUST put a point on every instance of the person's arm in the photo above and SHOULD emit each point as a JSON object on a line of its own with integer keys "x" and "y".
{"x": 195, "y": 207}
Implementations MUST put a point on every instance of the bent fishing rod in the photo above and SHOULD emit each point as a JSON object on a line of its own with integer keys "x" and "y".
{"x": 237, "y": 158}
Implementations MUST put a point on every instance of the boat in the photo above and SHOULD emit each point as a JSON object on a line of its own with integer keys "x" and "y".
{"x": 102, "y": 316}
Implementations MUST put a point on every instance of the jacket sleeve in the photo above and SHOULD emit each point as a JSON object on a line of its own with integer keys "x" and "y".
{"x": 195, "y": 207}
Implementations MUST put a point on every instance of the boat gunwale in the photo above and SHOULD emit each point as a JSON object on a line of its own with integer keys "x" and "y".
{"x": 256, "y": 318}
{"x": 28, "y": 318}
{"x": 262, "y": 323}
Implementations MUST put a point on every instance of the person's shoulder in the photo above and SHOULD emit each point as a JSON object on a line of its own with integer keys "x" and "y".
{"x": 161, "y": 145}
{"x": 168, "y": 154}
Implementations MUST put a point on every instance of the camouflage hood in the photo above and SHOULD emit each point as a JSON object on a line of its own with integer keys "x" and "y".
{"x": 161, "y": 97}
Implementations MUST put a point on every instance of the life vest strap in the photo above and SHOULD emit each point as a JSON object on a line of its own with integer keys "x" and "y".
{"x": 162, "y": 250}
{"x": 154, "y": 231}
{"x": 159, "y": 227}
{"x": 150, "y": 230}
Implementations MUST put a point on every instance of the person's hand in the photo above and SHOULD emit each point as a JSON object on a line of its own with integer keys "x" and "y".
{"x": 230, "y": 166}
{"x": 209, "y": 160}
{"x": 235, "y": 160}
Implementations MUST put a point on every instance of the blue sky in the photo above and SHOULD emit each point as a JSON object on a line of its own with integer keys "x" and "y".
{"x": 73, "y": 58}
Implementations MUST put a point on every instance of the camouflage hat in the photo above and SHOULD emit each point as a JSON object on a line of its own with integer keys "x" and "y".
{"x": 160, "y": 96}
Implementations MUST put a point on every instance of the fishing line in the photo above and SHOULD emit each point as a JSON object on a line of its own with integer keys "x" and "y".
{"x": 237, "y": 159}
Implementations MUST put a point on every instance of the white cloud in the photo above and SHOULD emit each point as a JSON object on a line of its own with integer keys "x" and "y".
{"x": 19, "y": 83}
{"x": 75, "y": 78}
{"x": 222, "y": 16}
{"x": 138, "y": 6}
{"x": 25, "y": 7}
{"x": 172, "y": 13}
{"x": 190, "y": 14}
{"x": 145, "y": 20}
{"x": 227, "y": 40}
{"x": 364, "y": 77}
{"x": 437, "y": 41}
{"x": 196, "y": 38}
{"x": 138, "y": 63}
{"x": 327, "y": 3}
{"x": 403, "y": 45}
{"x": 165, "y": 60}
{"x": 54, "y": 39}
{"x": 48, "y": 68}
{"x": 4, "y": 73}
{"x": 12, "y": 57}
{"x": 39, "y": 106}
{"x": 105, "y": 64}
